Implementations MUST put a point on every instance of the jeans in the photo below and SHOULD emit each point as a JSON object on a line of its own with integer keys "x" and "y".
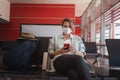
{"x": 72, "y": 65}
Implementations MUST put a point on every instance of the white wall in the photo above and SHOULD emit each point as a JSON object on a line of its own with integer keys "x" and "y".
{"x": 42, "y": 30}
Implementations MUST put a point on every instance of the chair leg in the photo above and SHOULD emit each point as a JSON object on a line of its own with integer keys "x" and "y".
{"x": 43, "y": 77}
{"x": 96, "y": 60}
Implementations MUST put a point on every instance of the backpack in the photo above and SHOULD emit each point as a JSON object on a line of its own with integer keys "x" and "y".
{"x": 20, "y": 54}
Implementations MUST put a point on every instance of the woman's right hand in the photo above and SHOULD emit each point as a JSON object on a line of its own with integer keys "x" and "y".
{"x": 61, "y": 51}
{"x": 64, "y": 50}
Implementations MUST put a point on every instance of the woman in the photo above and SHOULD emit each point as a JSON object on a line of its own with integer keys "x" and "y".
{"x": 68, "y": 51}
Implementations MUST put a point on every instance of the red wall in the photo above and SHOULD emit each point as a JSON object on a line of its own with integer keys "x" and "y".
{"x": 78, "y": 20}
{"x": 34, "y": 14}
{"x": 78, "y": 31}
{"x": 78, "y": 24}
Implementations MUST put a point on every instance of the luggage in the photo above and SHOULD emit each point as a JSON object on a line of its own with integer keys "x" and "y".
{"x": 20, "y": 54}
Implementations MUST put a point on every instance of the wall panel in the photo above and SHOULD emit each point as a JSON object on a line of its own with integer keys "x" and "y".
{"x": 34, "y": 14}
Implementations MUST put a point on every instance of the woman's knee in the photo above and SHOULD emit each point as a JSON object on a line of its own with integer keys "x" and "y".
{"x": 78, "y": 59}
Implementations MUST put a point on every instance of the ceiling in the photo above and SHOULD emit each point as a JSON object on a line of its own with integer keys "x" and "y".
{"x": 80, "y": 5}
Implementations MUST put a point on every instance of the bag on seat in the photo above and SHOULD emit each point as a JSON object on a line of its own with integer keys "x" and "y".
{"x": 20, "y": 54}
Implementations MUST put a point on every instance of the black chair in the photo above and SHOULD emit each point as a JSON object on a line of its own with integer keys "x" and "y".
{"x": 35, "y": 72}
{"x": 113, "y": 47}
{"x": 91, "y": 50}
{"x": 5, "y": 46}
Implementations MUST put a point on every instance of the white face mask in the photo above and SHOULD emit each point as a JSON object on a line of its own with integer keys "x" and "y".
{"x": 67, "y": 30}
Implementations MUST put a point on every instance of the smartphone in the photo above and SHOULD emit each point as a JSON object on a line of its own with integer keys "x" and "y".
{"x": 66, "y": 45}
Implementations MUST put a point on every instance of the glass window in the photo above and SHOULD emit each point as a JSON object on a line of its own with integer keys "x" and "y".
{"x": 97, "y": 29}
{"x": 117, "y": 29}
{"x": 107, "y": 32}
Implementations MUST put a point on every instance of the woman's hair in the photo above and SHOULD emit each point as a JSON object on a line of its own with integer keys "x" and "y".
{"x": 70, "y": 22}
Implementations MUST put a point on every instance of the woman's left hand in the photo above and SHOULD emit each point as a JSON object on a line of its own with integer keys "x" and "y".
{"x": 73, "y": 49}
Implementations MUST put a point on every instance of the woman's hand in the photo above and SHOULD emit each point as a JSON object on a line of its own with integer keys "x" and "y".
{"x": 72, "y": 49}
{"x": 64, "y": 50}
{"x": 61, "y": 51}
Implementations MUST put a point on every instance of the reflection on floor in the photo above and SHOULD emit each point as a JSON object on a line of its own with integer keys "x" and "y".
{"x": 102, "y": 61}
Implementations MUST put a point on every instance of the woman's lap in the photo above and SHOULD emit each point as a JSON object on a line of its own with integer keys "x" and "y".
{"x": 65, "y": 62}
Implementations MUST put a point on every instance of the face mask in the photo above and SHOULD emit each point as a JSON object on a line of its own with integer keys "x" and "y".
{"x": 67, "y": 30}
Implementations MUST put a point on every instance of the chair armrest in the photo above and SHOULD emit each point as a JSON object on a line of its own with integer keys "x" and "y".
{"x": 93, "y": 54}
{"x": 45, "y": 61}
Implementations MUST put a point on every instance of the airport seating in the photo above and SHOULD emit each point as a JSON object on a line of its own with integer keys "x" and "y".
{"x": 114, "y": 56}
{"x": 41, "y": 71}
{"x": 35, "y": 72}
{"x": 91, "y": 50}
